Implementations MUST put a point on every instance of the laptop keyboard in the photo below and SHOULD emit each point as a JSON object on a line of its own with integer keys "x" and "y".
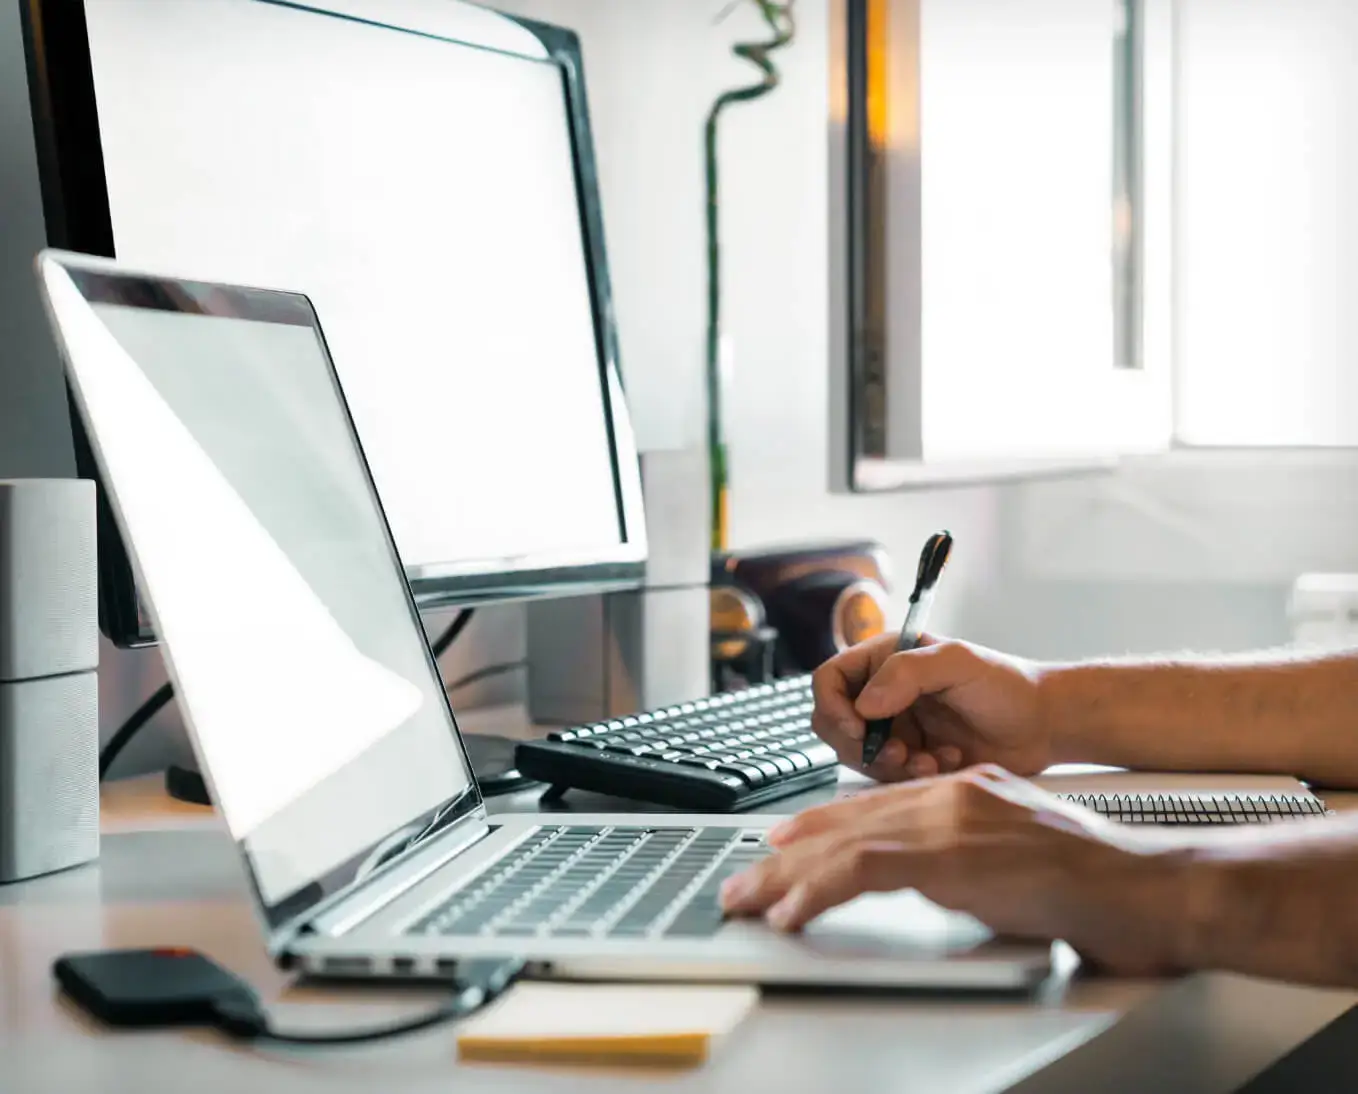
{"x": 612, "y": 882}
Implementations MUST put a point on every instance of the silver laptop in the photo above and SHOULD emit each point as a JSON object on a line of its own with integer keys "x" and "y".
{"x": 317, "y": 713}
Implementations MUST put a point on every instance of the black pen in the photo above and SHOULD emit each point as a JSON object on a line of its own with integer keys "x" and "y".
{"x": 931, "y": 562}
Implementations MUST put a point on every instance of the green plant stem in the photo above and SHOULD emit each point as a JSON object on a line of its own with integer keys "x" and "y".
{"x": 780, "y": 21}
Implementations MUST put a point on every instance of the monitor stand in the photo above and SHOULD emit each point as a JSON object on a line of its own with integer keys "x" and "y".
{"x": 186, "y": 784}
{"x": 492, "y": 760}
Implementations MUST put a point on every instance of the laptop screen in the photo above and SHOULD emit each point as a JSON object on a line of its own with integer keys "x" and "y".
{"x": 300, "y": 664}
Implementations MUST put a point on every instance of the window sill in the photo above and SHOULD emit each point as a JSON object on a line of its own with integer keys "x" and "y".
{"x": 874, "y": 476}
{"x": 1242, "y": 457}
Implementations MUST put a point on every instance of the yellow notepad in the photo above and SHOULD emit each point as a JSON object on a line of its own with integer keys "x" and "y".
{"x": 674, "y": 1025}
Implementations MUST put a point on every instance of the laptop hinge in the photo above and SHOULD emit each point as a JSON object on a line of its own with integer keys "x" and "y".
{"x": 347, "y": 909}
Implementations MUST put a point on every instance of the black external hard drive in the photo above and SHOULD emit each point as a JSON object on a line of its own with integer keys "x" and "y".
{"x": 158, "y": 987}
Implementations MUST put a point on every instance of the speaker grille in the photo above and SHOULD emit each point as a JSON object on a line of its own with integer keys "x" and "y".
{"x": 49, "y": 778}
{"x": 49, "y": 612}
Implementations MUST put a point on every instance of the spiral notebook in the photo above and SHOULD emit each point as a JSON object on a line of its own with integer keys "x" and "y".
{"x": 1136, "y": 797}
{"x": 1146, "y": 798}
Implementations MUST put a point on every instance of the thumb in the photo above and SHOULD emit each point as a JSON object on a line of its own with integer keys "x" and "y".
{"x": 904, "y": 677}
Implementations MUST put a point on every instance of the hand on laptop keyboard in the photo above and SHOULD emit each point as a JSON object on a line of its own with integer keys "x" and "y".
{"x": 1019, "y": 859}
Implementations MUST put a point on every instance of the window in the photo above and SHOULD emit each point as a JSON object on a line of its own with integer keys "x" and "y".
{"x": 1267, "y": 332}
{"x": 1006, "y": 199}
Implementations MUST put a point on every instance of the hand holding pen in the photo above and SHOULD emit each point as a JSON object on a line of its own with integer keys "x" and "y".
{"x": 931, "y": 562}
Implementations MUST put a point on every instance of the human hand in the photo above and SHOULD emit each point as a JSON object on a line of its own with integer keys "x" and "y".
{"x": 954, "y": 705}
{"x": 1022, "y": 861}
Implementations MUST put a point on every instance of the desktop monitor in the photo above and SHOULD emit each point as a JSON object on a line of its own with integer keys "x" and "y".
{"x": 424, "y": 171}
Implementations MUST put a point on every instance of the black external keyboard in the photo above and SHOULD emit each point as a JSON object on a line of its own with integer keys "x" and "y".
{"x": 730, "y": 751}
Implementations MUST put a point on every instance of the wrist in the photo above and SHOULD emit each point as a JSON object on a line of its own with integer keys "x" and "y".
{"x": 1065, "y": 729}
{"x": 1203, "y": 889}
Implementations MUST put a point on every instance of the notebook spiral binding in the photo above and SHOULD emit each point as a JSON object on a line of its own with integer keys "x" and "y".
{"x": 1200, "y": 808}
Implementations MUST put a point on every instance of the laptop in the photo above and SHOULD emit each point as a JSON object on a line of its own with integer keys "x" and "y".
{"x": 317, "y": 713}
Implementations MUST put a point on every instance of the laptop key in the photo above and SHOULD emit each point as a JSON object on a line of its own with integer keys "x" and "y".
{"x": 702, "y": 916}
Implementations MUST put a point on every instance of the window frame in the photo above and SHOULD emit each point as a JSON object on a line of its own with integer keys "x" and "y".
{"x": 857, "y": 216}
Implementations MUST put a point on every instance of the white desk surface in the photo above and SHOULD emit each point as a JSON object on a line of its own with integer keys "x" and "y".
{"x": 168, "y": 876}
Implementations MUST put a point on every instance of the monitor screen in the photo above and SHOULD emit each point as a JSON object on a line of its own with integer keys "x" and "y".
{"x": 428, "y": 183}
{"x": 222, "y": 438}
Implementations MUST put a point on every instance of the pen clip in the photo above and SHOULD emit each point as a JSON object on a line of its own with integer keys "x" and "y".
{"x": 931, "y": 562}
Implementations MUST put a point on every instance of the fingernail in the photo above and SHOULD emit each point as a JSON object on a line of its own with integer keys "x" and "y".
{"x": 852, "y": 730}
{"x": 781, "y": 831}
{"x": 783, "y": 914}
{"x": 735, "y": 889}
{"x": 893, "y": 752}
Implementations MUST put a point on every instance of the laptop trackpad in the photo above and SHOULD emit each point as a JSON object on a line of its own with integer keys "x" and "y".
{"x": 903, "y": 924}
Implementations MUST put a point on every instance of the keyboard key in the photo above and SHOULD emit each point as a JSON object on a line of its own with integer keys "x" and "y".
{"x": 820, "y": 754}
{"x": 714, "y": 753}
{"x": 708, "y": 762}
{"x": 751, "y": 775}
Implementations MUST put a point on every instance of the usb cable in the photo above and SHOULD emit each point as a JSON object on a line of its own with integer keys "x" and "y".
{"x": 240, "y": 1015}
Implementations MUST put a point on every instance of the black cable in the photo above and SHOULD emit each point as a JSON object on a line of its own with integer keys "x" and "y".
{"x": 162, "y": 695}
{"x": 459, "y": 624}
{"x": 138, "y": 718}
{"x": 479, "y": 982}
{"x": 484, "y": 674}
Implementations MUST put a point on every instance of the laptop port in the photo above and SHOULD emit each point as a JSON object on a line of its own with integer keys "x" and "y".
{"x": 346, "y": 966}
{"x": 403, "y": 966}
{"x": 446, "y": 966}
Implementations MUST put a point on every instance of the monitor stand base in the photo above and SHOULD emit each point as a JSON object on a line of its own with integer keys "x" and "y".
{"x": 492, "y": 759}
{"x": 185, "y": 784}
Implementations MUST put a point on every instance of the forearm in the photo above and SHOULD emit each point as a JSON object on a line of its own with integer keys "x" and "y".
{"x": 1280, "y": 714}
{"x": 1280, "y": 902}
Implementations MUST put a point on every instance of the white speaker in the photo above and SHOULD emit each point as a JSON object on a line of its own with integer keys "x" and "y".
{"x": 49, "y": 691}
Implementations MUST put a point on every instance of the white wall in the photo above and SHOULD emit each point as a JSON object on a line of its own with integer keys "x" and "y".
{"x": 1267, "y": 269}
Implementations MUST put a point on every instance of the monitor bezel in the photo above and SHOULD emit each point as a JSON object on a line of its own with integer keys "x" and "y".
{"x": 91, "y": 276}
{"x": 76, "y": 208}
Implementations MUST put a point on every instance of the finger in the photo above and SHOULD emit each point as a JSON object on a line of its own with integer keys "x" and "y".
{"x": 849, "y": 749}
{"x": 864, "y": 867}
{"x": 949, "y": 758}
{"x": 896, "y": 766}
{"x": 888, "y": 765}
{"x": 904, "y": 677}
{"x": 836, "y": 684}
{"x": 922, "y": 765}
{"x": 753, "y": 890}
{"x": 767, "y": 882}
